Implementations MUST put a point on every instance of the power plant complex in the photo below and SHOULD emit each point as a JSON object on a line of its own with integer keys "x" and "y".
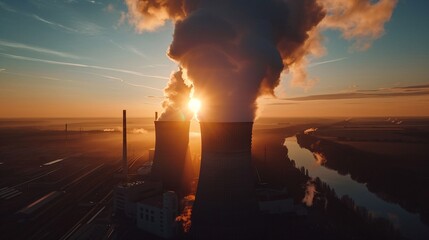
{"x": 225, "y": 204}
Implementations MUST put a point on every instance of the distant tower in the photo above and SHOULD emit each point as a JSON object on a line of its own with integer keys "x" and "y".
{"x": 225, "y": 206}
{"x": 124, "y": 145}
{"x": 171, "y": 150}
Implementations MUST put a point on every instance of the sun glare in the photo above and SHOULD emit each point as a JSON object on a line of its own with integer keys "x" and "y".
{"x": 194, "y": 105}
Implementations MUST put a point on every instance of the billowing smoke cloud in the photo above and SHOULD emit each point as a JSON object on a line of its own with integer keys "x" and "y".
{"x": 140, "y": 130}
{"x": 310, "y": 192}
{"x": 176, "y": 100}
{"x": 234, "y": 51}
{"x": 185, "y": 217}
{"x": 362, "y": 20}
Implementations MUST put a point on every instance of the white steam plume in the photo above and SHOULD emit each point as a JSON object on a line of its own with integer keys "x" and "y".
{"x": 234, "y": 51}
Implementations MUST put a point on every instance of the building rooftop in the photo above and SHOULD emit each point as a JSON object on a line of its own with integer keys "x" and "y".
{"x": 156, "y": 201}
{"x": 138, "y": 183}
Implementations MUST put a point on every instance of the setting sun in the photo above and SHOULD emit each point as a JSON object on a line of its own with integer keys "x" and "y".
{"x": 194, "y": 105}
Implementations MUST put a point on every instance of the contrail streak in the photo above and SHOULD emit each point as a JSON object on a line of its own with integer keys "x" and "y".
{"x": 81, "y": 65}
{"x": 53, "y": 23}
{"x": 37, "y": 49}
{"x": 125, "y": 82}
{"x": 325, "y": 62}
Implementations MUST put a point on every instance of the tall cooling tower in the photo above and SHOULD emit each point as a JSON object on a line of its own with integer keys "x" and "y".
{"x": 225, "y": 206}
{"x": 171, "y": 149}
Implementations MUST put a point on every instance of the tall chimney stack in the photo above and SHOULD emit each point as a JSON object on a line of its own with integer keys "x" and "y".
{"x": 225, "y": 205}
{"x": 156, "y": 116}
{"x": 124, "y": 145}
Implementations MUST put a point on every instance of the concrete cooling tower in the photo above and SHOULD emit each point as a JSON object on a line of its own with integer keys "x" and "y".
{"x": 225, "y": 206}
{"x": 171, "y": 152}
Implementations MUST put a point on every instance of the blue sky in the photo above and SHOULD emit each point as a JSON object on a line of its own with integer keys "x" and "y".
{"x": 78, "y": 58}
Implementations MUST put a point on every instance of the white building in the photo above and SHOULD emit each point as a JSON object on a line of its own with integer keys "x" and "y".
{"x": 157, "y": 215}
{"x": 127, "y": 195}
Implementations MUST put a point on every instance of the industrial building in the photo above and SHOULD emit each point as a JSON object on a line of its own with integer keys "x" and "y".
{"x": 127, "y": 195}
{"x": 145, "y": 202}
{"x": 157, "y": 215}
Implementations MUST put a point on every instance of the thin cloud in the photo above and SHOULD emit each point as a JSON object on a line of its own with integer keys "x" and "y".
{"x": 35, "y": 76}
{"x": 110, "y": 8}
{"x": 87, "y": 28}
{"x": 143, "y": 86}
{"x": 408, "y": 91}
{"x": 55, "y": 79}
{"x": 94, "y": 2}
{"x": 7, "y": 7}
{"x": 155, "y": 97}
{"x": 136, "y": 51}
{"x": 325, "y": 62}
{"x": 129, "y": 49}
{"x": 413, "y": 87}
{"x": 280, "y": 103}
{"x": 81, "y": 65}
{"x": 101, "y": 75}
{"x": 54, "y": 24}
{"x": 81, "y": 27}
{"x": 108, "y": 77}
{"x": 123, "y": 81}
{"x": 37, "y": 49}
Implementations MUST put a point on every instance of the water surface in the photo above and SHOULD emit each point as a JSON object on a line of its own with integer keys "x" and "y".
{"x": 408, "y": 223}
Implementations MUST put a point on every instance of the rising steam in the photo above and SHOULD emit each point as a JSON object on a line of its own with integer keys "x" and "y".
{"x": 176, "y": 100}
{"x": 234, "y": 51}
{"x": 310, "y": 192}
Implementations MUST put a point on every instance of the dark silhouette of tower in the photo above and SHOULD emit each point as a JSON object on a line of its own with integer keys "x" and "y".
{"x": 225, "y": 206}
{"x": 124, "y": 145}
{"x": 171, "y": 150}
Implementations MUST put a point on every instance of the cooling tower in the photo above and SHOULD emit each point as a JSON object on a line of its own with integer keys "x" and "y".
{"x": 171, "y": 149}
{"x": 225, "y": 206}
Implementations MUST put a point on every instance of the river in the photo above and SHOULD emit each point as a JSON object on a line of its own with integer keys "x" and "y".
{"x": 408, "y": 223}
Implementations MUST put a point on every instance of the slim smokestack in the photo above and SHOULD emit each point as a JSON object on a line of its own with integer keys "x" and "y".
{"x": 156, "y": 116}
{"x": 225, "y": 205}
{"x": 124, "y": 145}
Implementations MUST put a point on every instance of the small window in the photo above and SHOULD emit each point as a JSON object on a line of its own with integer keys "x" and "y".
{"x": 141, "y": 215}
{"x": 152, "y": 219}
